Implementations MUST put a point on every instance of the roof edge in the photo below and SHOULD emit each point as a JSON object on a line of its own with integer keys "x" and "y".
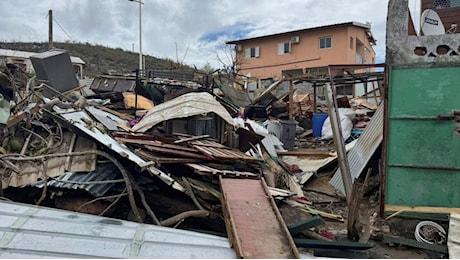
{"x": 366, "y": 26}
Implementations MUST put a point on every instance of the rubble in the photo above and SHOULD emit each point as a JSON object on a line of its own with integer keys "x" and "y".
{"x": 173, "y": 153}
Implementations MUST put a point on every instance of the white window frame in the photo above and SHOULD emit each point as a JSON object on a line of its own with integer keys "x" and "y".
{"x": 325, "y": 42}
{"x": 253, "y": 52}
{"x": 284, "y": 48}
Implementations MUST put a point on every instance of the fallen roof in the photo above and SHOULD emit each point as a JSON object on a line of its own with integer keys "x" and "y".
{"x": 29, "y": 231}
{"x": 186, "y": 105}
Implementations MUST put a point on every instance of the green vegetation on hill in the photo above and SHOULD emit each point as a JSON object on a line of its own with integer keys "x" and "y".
{"x": 100, "y": 59}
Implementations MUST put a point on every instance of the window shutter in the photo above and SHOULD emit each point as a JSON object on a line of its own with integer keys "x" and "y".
{"x": 247, "y": 53}
{"x": 257, "y": 52}
{"x": 280, "y": 48}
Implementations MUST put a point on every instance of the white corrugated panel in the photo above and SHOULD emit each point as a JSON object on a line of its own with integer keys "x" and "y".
{"x": 365, "y": 146}
{"x": 28, "y": 231}
{"x": 453, "y": 239}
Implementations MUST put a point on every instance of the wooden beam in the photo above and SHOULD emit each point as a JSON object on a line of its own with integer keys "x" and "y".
{"x": 306, "y": 153}
{"x": 165, "y": 150}
{"x": 303, "y": 225}
{"x": 311, "y": 243}
{"x": 422, "y": 209}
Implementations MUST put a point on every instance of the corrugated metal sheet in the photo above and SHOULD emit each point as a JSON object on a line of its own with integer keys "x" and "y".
{"x": 28, "y": 231}
{"x": 186, "y": 105}
{"x": 83, "y": 122}
{"x": 272, "y": 144}
{"x": 453, "y": 239}
{"x": 71, "y": 180}
{"x": 309, "y": 165}
{"x": 365, "y": 146}
{"x": 110, "y": 121}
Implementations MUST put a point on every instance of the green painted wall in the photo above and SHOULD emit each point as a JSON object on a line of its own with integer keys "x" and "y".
{"x": 423, "y": 153}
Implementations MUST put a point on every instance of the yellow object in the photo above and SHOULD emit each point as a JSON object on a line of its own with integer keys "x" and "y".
{"x": 129, "y": 100}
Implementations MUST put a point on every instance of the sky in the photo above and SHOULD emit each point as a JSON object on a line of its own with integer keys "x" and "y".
{"x": 192, "y": 32}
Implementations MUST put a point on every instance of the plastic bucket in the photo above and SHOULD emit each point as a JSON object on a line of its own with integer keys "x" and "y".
{"x": 318, "y": 121}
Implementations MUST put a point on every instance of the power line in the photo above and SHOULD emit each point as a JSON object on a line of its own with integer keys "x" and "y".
{"x": 62, "y": 28}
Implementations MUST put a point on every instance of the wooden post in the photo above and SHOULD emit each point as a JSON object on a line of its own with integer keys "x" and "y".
{"x": 338, "y": 140}
{"x": 50, "y": 29}
{"x": 291, "y": 101}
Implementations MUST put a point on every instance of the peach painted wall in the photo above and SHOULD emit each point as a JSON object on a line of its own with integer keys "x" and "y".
{"x": 305, "y": 54}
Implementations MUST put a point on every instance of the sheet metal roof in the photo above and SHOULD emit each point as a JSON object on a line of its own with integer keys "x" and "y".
{"x": 28, "y": 231}
{"x": 364, "y": 26}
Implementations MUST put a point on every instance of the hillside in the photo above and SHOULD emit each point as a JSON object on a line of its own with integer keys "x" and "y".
{"x": 100, "y": 59}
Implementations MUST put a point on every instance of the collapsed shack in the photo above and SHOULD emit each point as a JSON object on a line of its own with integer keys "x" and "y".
{"x": 178, "y": 158}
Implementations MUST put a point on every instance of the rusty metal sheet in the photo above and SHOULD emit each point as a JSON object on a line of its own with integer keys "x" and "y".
{"x": 254, "y": 223}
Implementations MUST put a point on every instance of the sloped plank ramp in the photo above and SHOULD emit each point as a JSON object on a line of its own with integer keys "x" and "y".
{"x": 254, "y": 224}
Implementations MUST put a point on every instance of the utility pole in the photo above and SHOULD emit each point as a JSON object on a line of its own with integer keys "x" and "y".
{"x": 50, "y": 29}
{"x": 141, "y": 67}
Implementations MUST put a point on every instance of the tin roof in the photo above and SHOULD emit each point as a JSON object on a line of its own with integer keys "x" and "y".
{"x": 29, "y": 231}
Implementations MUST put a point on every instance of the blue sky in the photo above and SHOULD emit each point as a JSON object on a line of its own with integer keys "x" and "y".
{"x": 192, "y": 32}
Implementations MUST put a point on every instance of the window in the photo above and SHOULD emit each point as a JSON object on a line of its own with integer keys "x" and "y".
{"x": 284, "y": 48}
{"x": 325, "y": 43}
{"x": 344, "y": 90}
{"x": 252, "y": 52}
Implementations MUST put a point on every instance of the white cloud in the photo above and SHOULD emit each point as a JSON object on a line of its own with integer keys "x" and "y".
{"x": 189, "y": 31}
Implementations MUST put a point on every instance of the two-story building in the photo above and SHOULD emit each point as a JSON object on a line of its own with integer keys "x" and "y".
{"x": 306, "y": 51}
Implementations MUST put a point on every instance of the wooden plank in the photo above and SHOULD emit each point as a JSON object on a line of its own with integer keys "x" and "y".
{"x": 303, "y": 225}
{"x": 21, "y": 115}
{"x": 155, "y": 143}
{"x": 306, "y": 153}
{"x": 209, "y": 143}
{"x": 312, "y": 243}
{"x": 163, "y": 160}
{"x": 340, "y": 253}
{"x": 176, "y": 152}
{"x": 421, "y": 209}
{"x": 254, "y": 224}
{"x": 190, "y": 139}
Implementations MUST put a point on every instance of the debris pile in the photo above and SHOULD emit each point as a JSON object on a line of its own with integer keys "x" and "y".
{"x": 173, "y": 153}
